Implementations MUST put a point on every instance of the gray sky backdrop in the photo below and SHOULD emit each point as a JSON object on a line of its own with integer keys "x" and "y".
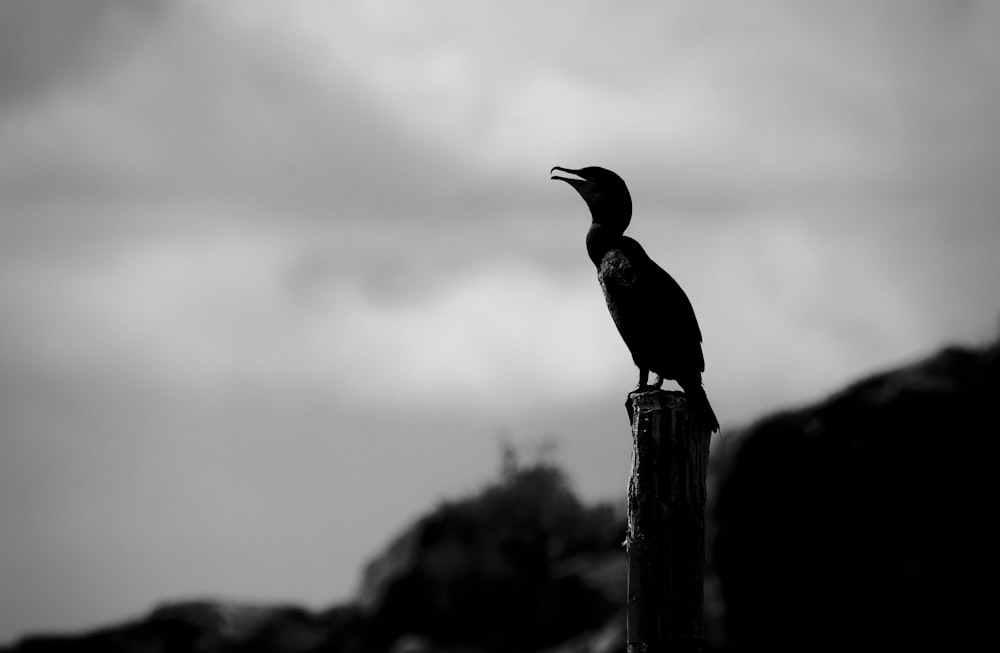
{"x": 275, "y": 276}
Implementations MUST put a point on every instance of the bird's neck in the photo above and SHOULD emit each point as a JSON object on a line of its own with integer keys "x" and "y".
{"x": 601, "y": 239}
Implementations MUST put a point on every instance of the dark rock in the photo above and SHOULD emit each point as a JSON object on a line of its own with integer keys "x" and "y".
{"x": 218, "y": 627}
{"x": 858, "y": 522}
{"x": 521, "y": 566}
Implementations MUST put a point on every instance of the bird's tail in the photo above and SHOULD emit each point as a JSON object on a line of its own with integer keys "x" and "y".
{"x": 698, "y": 401}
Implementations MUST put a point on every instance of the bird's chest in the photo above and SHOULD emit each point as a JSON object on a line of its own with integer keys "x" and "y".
{"x": 619, "y": 280}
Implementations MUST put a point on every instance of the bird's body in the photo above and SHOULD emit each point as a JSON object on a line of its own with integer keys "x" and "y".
{"x": 652, "y": 312}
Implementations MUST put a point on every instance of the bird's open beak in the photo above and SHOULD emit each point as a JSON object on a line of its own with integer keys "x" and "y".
{"x": 576, "y": 179}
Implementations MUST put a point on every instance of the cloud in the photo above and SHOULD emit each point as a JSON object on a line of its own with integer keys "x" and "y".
{"x": 392, "y": 166}
{"x": 196, "y": 111}
{"x": 354, "y": 109}
{"x": 47, "y": 43}
{"x": 201, "y": 313}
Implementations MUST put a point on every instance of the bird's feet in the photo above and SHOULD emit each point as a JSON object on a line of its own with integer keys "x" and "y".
{"x": 643, "y": 386}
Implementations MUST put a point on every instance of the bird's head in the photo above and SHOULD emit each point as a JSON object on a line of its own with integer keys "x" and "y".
{"x": 604, "y": 192}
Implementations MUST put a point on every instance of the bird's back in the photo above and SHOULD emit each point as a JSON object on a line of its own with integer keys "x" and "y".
{"x": 652, "y": 313}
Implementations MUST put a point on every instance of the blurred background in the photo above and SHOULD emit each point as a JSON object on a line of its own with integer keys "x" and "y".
{"x": 276, "y": 277}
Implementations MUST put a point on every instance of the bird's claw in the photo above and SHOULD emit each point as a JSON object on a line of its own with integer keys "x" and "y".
{"x": 657, "y": 384}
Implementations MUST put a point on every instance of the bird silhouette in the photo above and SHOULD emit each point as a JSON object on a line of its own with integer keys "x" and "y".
{"x": 653, "y": 315}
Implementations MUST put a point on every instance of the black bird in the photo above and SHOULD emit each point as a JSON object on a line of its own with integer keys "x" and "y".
{"x": 652, "y": 313}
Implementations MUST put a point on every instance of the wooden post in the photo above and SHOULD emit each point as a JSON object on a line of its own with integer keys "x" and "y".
{"x": 665, "y": 545}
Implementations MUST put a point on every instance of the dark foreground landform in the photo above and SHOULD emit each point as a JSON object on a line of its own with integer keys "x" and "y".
{"x": 858, "y": 523}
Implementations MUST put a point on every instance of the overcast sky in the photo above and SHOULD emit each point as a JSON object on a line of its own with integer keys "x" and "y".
{"x": 276, "y": 277}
